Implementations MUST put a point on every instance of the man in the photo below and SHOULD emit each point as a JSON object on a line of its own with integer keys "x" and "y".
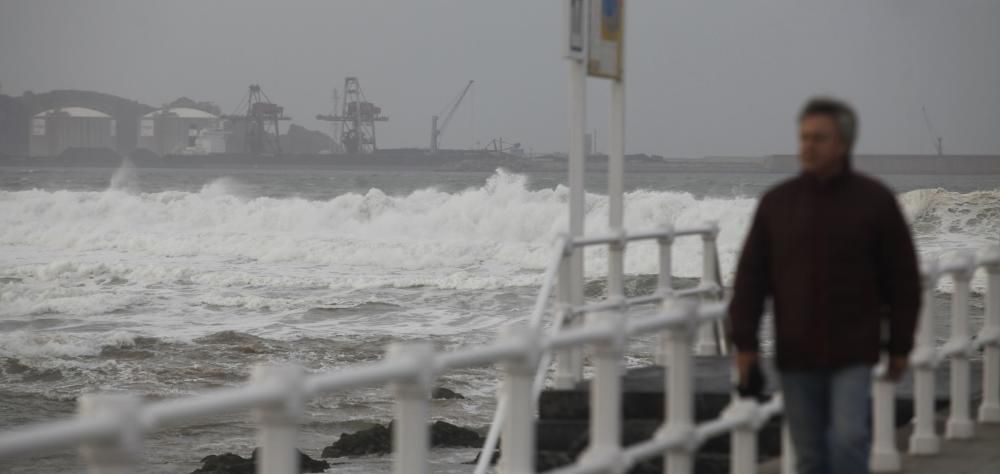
{"x": 831, "y": 248}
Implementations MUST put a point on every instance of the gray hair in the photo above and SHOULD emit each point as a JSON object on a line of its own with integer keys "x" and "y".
{"x": 841, "y": 113}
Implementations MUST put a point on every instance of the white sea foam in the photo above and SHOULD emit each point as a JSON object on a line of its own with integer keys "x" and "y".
{"x": 503, "y": 224}
{"x": 154, "y": 255}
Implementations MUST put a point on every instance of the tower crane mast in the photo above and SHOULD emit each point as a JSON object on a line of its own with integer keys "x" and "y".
{"x": 436, "y": 130}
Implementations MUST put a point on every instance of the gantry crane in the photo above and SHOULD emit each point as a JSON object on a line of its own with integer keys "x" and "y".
{"x": 436, "y": 131}
{"x": 258, "y": 122}
{"x": 357, "y": 118}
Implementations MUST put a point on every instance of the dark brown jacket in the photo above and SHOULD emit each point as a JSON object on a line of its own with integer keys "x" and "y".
{"x": 837, "y": 258}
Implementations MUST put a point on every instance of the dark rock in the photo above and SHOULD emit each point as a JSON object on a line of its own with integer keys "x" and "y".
{"x": 374, "y": 440}
{"x": 441, "y": 393}
{"x": 230, "y": 463}
{"x": 306, "y": 463}
{"x": 378, "y": 440}
{"x": 447, "y": 434}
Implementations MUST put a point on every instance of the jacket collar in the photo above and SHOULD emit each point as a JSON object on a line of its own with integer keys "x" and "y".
{"x": 828, "y": 182}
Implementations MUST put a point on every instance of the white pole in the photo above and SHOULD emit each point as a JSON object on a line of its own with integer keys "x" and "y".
{"x": 665, "y": 286}
{"x": 743, "y": 438}
{"x": 884, "y": 455}
{"x": 277, "y": 431}
{"x": 788, "y": 460}
{"x": 565, "y": 377}
{"x": 959, "y": 424}
{"x": 518, "y": 388}
{"x": 411, "y": 437}
{"x": 924, "y": 439}
{"x": 606, "y": 389}
{"x": 680, "y": 397}
{"x": 616, "y": 188}
{"x": 120, "y": 454}
{"x": 989, "y": 410}
{"x": 707, "y": 342}
{"x": 577, "y": 136}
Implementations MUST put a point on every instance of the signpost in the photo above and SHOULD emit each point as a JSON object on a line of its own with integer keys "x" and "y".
{"x": 607, "y": 37}
{"x": 595, "y": 46}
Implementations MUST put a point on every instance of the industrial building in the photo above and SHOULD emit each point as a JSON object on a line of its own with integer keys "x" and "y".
{"x": 180, "y": 130}
{"x": 56, "y": 130}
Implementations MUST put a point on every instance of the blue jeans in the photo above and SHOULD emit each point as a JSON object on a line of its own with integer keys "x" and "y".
{"x": 828, "y": 413}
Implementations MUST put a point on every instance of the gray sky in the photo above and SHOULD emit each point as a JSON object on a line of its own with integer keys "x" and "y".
{"x": 704, "y": 78}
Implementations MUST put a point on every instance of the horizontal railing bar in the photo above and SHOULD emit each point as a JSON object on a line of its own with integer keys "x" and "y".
{"x": 380, "y": 372}
{"x": 652, "y": 448}
{"x": 59, "y": 434}
{"x": 223, "y": 401}
{"x": 607, "y": 238}
{"x": 603, "y": 305}
{"x": 716, "y": 427}
{"x": 956, "y": 265}
{"x": 647, "y": 299}
{"x": 696, "y": 291}
{"x": 953, "y": 348}
{"x": 657, "y": 297}
{"x": 986, "y": 337}
{"x": 577, "y": 336}
{"x": 481, "y": 355}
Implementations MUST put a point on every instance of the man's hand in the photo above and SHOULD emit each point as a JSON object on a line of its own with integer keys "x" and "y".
{"x": 745, "y": 360}
{"x": 897, "y": 366}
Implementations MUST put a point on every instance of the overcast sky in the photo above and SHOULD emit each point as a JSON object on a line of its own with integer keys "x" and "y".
{"x": 704, "y": 78}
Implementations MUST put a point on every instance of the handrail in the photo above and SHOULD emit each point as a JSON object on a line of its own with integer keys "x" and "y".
{"x": 564, "y": 246}
{"x": 111, "y": 426}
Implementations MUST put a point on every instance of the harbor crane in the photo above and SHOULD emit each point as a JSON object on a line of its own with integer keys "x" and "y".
{"x": 357, "y": 117}
{"x": 258, "y": 123}
{"x": 436, "y": 130}
{"x": 930, "y": 128}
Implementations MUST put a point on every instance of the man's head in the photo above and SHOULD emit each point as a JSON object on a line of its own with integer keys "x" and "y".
{"x": 827, "y": 131}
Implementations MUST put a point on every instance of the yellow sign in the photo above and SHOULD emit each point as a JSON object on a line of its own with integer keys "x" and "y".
{"x": 607, "y": 37}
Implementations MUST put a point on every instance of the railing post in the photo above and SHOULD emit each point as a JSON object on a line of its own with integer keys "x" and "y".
{"x": 410, "y": 435}
{"x": 566, "y": 376}
{"x": 708, "y": 342}
{"x": 120, "y": 454}
{"x": 884, "y": 455}
{"x": 959, "y": 424}
{"x": 989, "y": 410}
{"x": 743, "y": 439}
{"x": 788, "y": 458}
{"x": 665, "y": 286}
{"x": 518, "y": 388}
{"x": 277, "y": 424}
{"x": 924, "y": 439}
{"x": 680, "y": 396}
{"x": 577, "y": 194}
{"x": 606, "y": 390}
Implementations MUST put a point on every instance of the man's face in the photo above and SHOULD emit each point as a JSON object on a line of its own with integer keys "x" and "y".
{"x": 821, "y": 149}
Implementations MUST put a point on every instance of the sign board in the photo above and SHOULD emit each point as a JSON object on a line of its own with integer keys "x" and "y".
{"x": 37, "y": 127}
{"x": 146, "y": 128}
{"x": 577, "y": 30}
{"x": 607, "y": 36}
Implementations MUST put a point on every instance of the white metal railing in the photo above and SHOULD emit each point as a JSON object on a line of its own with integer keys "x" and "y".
{"x": 568, "y": 372}
{"x": 110, "y": 428}
{"x": 926, "y": 356}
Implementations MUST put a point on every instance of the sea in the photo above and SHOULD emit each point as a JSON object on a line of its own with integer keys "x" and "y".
{"x": 169, "y": 282}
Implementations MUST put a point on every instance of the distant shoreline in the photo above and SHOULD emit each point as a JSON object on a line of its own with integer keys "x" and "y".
{"x": 488, "y": 161}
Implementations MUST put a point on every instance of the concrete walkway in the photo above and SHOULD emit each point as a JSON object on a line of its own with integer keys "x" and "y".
{"x": 979, "y": 455}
